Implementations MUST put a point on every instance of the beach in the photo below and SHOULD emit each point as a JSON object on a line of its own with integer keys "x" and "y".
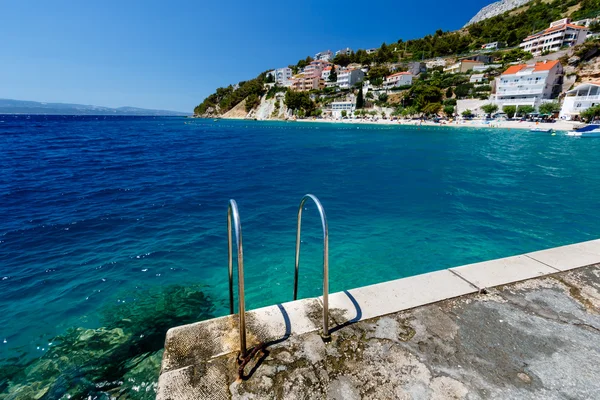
{"x": 475, "y": 123}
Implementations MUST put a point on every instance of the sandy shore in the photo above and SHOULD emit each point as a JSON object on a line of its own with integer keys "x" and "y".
{"x": 557, "y": 126}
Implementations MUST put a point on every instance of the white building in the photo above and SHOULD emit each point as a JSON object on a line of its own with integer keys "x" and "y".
{"x": 580, "y": 99}
{"x": 561, "y": 33}
{"x": 371, "y": 51}
{"x": 528, "y": 84}
{"x": 348, "y": 78}
{"x": 477, "y": 78}
{"x": 282, "y": 76}
{"x": 324, "y": 55}
{"x": 398, "y": 79}
{"x": 338, "y": 106}
{"x": 347, "y": 51}
{"x": 492, "y": 46}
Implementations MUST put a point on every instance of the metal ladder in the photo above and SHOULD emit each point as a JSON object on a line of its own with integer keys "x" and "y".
{"x": 233, "y": 221}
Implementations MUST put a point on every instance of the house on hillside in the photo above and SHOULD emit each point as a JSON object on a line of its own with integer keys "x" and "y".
{"x": 462, "y": 66}
{"x": 326, "y": 55}
{"x": 529, "y": 84}
{"x": 398, "y": 79}
{"x": 580, "y": 99}
{"x": 371, "y": 51}
{"x": 349, "y": 77}
{"x": 315, "y": 68}
{"x": 347, "y": 51}
{"x": 561, "y": 33}
{"x": 303, "y": 83}
{"x": 282, "y": 76}
{"x": 493, "y": 46}
{"x": 477, "y": 78}
{"x": 484, "y": 58}
{"x": 416, "y": 67}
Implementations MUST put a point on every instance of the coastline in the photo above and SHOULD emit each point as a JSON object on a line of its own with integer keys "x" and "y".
{"x": 557, "y": 126}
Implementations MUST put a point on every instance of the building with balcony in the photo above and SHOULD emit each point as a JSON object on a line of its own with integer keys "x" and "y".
{"x": 529, "y": 84}
{"x": 326, "y": 55}
{"x": 282, "y": 76}
{"x": 398, "y": 79}
{"x": 463, "y": 66}
{"x": 302, "y": 83}
{"x": 338, "y": 106}
{"x": 349, "y": 77}
{"x": 580, "y": 99}
{"x": 561, "y": 33}
{"x": 315, "y": 68}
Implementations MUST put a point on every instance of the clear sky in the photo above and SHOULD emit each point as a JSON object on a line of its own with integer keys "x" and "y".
{"x": 172, "y": 54}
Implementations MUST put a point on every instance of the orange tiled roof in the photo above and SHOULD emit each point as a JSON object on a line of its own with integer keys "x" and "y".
{"x": 398, "y": 74}
{"x": 540, "y": 66}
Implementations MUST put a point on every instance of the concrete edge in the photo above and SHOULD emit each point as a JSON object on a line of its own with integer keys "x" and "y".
{"x": 277, "y": 322}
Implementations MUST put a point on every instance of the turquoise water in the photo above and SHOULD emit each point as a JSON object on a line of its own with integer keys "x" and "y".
{"x": 93, "y": 208}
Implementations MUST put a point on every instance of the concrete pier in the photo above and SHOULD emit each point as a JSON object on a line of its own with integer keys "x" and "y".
{"x": 523, "y": 327}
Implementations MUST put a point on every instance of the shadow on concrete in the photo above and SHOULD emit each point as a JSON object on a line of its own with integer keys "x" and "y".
{"x": 353, "y": 320}
{"x": 264, "y": 351}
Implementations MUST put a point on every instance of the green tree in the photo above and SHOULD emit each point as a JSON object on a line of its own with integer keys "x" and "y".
{"x": 591, "y": 113}
{"x": 524, "y": 110}
{"x": 449, "y": 110}
{"x": 333, "y": 74}
{"x": 467, "y": 113}
{"x": 299, "y": 101}
{"x": 510, "y": 111}
{"x": 550, "y": 107}
{"x": 463, "y": 90}
{"x": 252, "y": 101}
{"x": 432, "y": 108}
{"x": 489, "y": 108}
{"x": 449, "y": 92}
{"x": 344, "y": 113}
{"x": 360, "y": 100}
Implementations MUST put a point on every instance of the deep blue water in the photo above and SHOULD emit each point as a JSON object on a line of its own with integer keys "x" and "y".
{"x": 91, "y": 208}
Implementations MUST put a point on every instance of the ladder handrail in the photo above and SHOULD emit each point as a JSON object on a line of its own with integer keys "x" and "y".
{"x": 325, "y": 334}
{"x": 232, "y": 212}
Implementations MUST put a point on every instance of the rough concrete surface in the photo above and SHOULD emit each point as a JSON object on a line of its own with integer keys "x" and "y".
{"x": 537, "y": 339}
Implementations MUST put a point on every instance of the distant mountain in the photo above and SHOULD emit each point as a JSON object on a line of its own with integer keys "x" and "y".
{"x": 8, "y": 106}
{"x": 497, "y": 8}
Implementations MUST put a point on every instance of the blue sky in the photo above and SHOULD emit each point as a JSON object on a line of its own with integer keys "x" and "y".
{"x": 172, "y": 54}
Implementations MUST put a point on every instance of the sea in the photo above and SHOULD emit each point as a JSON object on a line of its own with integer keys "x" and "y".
{"x": 109, "y": 221}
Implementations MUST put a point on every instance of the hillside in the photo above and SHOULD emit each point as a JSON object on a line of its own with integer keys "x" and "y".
{"x": 8, "y": 106}
{"x": 519, "y": 18}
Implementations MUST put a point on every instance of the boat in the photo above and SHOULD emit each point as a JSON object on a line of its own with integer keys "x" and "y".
{"x": 542, "y": 130}
{"x": 586, "y": 131}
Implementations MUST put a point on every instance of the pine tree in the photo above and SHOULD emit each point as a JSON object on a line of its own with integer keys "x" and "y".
{"x": 360, "y": 100}
{"x": 333, "y": 74}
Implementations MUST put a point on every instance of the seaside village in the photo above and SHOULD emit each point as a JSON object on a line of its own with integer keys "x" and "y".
{"x": 543, "y": 79}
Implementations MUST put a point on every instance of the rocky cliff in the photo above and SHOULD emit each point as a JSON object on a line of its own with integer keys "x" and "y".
{"x": 496, "y": 8}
